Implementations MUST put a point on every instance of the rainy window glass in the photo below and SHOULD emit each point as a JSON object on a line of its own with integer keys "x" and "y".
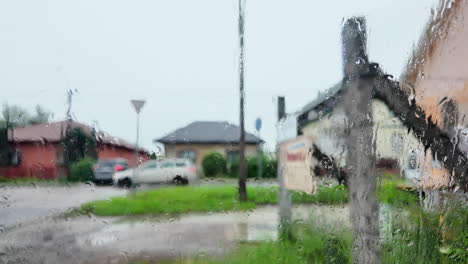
{"x": 188, "y": 154}
{"x": 151, "y": 166}
{"x": 168, "y": 164}
{"x": 235, "y": 131}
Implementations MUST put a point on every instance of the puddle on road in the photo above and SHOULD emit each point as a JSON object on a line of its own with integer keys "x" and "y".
{"x": 209, "y": 233}
{"x": 100, "y": 240}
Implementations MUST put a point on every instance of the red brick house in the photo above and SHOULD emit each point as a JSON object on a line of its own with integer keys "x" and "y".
{"x": 42, "y": 151}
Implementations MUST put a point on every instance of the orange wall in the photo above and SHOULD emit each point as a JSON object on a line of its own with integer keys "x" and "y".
{"x": 444, "y": 73}
{"x": 39, "y": 160}
{"x": 445, "y": 69}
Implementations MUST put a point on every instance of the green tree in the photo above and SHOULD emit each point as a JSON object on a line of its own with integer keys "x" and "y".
{"x": 14, "y": 115}
{"x": 41, "y": 116}
{"x": 77, "y": 145}
{"x": 5, "y": 150}
{"x": 18, "y": 116}
{"x": 153, "y": 156}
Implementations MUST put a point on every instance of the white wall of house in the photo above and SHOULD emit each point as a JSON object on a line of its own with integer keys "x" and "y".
{"x": 392, "y": 139}
{"x": 327, "y": 134}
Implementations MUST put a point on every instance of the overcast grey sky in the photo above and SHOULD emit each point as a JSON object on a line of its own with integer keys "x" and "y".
{"x": 181, "y": 56}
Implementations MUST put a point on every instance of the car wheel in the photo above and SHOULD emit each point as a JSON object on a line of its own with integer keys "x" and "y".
{"x": 180, "y": 180}
{"x": 184, "y": 181}
{"x": 125, "y": 183}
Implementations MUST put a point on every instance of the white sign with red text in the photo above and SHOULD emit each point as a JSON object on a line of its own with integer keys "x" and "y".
{"x": 297, "y": 164}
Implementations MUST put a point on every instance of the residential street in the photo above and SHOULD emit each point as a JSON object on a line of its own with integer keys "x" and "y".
{"x": 35, "y": 231}
{"x": 25, "y": 204}
{"x": 120, "y": 240}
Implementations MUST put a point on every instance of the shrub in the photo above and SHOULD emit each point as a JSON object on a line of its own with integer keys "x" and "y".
{"x": 214, "y": 164}
{"x": 82, "y": 170}
{"x": 234, "y": 169}
{"x": 269, "y": 167}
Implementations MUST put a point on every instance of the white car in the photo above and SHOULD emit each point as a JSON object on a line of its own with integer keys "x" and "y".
{"x": 179, "y": 171}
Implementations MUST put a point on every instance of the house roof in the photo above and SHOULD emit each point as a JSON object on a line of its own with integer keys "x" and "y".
{"x": 322, "y": 99}
{"x": 54, "y": 132}
{"x": 205, "y": 132}
{"x": 323, "y": 104}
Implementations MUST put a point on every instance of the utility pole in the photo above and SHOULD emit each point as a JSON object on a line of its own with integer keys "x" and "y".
{"x": 242, "y": 162}
{"x": 67, "y": 150}
{"x": 284, "y": 198}
{"x": 360, "y": 158}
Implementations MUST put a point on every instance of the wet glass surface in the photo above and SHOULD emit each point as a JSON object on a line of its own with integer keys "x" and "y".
{"x": 266, "y": 131}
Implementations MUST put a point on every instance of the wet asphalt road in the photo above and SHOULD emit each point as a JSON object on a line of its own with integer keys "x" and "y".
{"x": 31, "y": 203}
{"x": 120, "y": 240}
{"x": 34, "y": 231}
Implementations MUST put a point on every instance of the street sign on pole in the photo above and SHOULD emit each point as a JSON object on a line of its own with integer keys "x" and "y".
{"x": 258, "y": 124}
{"x": 138, "y": 104}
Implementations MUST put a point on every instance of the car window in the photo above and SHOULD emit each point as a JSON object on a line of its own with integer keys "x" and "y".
{"x": 151, "y": 166}
{"x": 181, "y": 164}
{"x": 106, "y": 164}
{"x": 167, "y": 164}
{"x": 123, "y": 164}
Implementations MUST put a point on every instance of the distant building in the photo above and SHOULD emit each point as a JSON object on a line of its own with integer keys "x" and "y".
{"x": 41, "y": 149}
{"x": 197, "y": 139}
{"x": 325, "y": 121}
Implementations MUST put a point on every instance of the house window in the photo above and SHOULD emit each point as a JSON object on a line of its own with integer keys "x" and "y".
{"x": 187, "y": 154}
{"x": 231, "y": 156}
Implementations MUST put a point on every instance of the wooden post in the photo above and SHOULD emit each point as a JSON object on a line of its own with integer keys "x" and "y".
{"x": 284, "y": 198}
{"x": 360, "y": 160}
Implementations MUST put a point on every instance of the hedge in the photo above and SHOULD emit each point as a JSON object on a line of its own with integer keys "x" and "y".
{"x": 214, "y": 164}
{"x": 269, "y": 168}
{"x": 82, "y": 170}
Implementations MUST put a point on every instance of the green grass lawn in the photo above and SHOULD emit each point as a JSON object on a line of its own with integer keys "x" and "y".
{"x": 184, "y": 199}
{"x": 428, "y": 242}
{"x": 417, "y": 236}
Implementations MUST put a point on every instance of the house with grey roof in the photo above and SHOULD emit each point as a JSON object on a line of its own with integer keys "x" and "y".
{"x": 198, "y": 138}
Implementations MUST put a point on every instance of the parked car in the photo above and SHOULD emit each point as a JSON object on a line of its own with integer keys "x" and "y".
{"x": 105, "y": 169}
{"x": 178, "y": 171}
